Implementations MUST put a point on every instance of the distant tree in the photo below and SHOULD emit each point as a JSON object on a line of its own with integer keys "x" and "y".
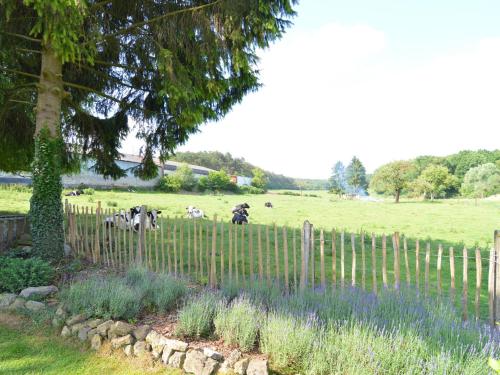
{"x": 259, "y": 179}
{"x": 392, "y": 178}
{"x": 186, "y": 177}
{"x": 462, "y": 161}
{"x": 217, "y": 181}
{"x": 338, "y": 183}
{"x": 481, "y": 181}
{"x": 356, "y": 175}
{"x": 434, "y": 181}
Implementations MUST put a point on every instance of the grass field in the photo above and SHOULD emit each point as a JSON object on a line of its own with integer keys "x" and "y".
{"x": 23, "y": 350}
{"x": 449, "y": 222}
{"x": 453, "y": 222}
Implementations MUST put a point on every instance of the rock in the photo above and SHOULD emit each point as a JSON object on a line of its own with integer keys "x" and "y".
{"x": 39, "y": 291}
{"x": 141, "y": 347}
{"x": 157, "y": 342}
{"x": 94, "y": 323}
{"x": 153, "y": 337}
{"x": 231, "y": 359}
{"x": 7, "y": 299}
{"x": 61, "y": 311}
{"x": 211, "y": 367}
{"x": 103, "y": 328}
{"x": 120, "y": 329}
{"x": 57, "y": 322}
{"x": 91, "y": 333}
{"x": 76, "y": 328}
{"x": 167, "y": 353}
{"x": 27, "y": 249}
{"x": 120, "y": 342}
{"x": 96, "y": 342}
{"x": 176, "y": 360}
{"x": 257, "y": 367}
{"x": 178, "y": 346}
{"x": 141, "y": 332}
{"x": 75, "y": 319}
{"x": 210, "y": 353}
{"x": 128, "y": 350}
{"x": 35, "y": 306}
{"x": 194, "y": 362}
{"x": 65, "y": 332}
{"x": 241, "y": 366}
{"x": 83, "y": 333}
{"x": 18, "y": 304}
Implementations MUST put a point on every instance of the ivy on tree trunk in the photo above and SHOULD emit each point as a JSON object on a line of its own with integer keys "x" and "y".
{"x": 46, "y": 207}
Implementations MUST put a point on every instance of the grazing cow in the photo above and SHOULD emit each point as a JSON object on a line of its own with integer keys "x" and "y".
{"x": 268, "y": 205}
{"x": 194, "y": 213}
{"x": 74, "y": 193}
{"x": 240, "y": 217}
{"x": 151, "y": 222}
{"x": 241, "y": 206}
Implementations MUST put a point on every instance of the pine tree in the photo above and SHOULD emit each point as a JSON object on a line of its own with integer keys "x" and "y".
{"x": 73, "y": 72}
{"x": 356, "y": 175}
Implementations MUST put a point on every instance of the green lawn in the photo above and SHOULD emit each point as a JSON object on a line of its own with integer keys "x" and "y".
{"x": 23, "y": 351}
{"x": 453, "y": 221}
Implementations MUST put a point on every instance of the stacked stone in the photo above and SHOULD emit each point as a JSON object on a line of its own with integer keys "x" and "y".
{"x": 13, "y": 302}
{"x": 142, "y": 341}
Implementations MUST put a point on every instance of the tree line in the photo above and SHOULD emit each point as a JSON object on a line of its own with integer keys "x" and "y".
{"x": 467, "y": 173}
{"x": 239, "y": 166}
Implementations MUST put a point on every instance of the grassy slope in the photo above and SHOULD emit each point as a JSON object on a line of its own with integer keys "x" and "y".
{"x": 22, "y": 351}
{"x": 449, "y": 221}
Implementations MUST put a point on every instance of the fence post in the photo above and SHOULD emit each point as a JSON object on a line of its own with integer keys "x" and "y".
{"x": 496, "y": 280}
{"x": 334, "y": 259}
{"x": 397, "y": 268}
{"x": 276, "y": 255}
{"x": 142, "y": 233}
{"x": 305, "y": 247}
{"x": 465, "y": 285}
{"x": 97, "y": 248}
{"x": 213, "y": 270}
{"x": 439, "y": 283}
{"x": 322, "y": 259}
{"x": 384, "y": 261}
{"x": 479, "y": 276}
{"x": 285, "y": 258}
{"x": 374, "y": 263}
{"x": 452, "y": 274}
{"x": 353, "y": 272}
{"x": 363, "y": 261}
{"x": 342, "y": 259}
{"x": 417, "y": 266}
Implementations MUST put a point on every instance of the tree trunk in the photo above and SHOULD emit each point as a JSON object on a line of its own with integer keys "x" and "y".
{"x": 46, "y": 206}
{"x": 398, "y": 192}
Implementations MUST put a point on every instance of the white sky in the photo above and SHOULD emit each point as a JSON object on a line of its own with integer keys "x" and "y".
{"x": 336, "y": 89}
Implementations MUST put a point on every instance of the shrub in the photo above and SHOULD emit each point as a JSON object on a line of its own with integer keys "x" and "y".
{"x": 112, "y": 203}
{"x": 186, "y": 177}
{"x": 17, "y": 274}
{"x": 105, "y": 298}
{"x": 89, "y": 191}
{"x": 251, "y": 190}
{"x": 196, "y": 318}
{"x": 287, "y": 340}
{"x": 170, "y": 184}
{"x": 164, "y": 292}
{"x": 239, "y": 324}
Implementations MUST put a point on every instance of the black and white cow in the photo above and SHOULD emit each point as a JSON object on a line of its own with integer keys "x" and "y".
{"x": 194, "y": 213}
{"x": 74, "y": 193}
{"x": 123, "y": 219}
{"x": 151, "y": 222}
{"x": 268, "y": 205}
{"x": 240, "y": 217}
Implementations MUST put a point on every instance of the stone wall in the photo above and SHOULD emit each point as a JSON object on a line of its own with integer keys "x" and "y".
{"x": 12, "y": 227}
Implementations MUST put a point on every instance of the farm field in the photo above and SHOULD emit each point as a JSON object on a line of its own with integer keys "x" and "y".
{"x": 453, "y": 222}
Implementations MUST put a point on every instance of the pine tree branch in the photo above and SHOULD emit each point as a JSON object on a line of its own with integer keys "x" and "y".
{"x": 22, "y": 36}
{"x": 21, "y": 101}
{"x": 158, "y": 18}
{"x": 89, "y": 89}
{"x": 19, "y": 72}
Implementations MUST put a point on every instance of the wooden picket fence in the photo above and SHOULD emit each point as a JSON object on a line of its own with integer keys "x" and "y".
{"x": 215, "y": 252}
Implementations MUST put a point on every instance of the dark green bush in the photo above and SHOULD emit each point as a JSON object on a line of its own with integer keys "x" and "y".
{"x": 251, "y": 190}
{"x": 17, "y": 274}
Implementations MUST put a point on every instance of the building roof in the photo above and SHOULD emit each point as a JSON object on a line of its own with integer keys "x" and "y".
{"x": 171, "y": 165}
{"x": 137, "y": 159}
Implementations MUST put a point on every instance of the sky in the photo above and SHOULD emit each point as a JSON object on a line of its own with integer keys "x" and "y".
{"x": 382, "y": 80}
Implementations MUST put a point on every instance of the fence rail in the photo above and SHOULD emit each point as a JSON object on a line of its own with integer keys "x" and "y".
{"x": 214, "y": 252}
